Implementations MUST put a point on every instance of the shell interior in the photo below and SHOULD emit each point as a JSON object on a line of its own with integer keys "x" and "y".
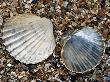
{"x": 83, "y": 50}
{"x": 28, "y": 38}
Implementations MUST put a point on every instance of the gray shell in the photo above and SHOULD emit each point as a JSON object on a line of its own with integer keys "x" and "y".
{"x": 29, "y": 38}
{"x": 83, "y": 50}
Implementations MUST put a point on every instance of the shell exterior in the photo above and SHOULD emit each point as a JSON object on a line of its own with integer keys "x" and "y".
{"x": 83, "y": 50}
{"x": 28, "y": 38}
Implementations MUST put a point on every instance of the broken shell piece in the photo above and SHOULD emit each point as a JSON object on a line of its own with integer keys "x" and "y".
{"x": 83, "y": 50}
{"x": 28, "y": 38}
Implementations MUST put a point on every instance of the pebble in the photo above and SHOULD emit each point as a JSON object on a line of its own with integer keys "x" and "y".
{"x": 47, "y": 66}
{"x": 49, "y": 71}
{"x": 38, "y": 80}
{"x": 2, "y": 71}
{"x": 108, "y": 62}
{"x": 1, "y": 66}
{"x": 1, "y": 20}
{"x": 2, "y": 59}
{"x": 9, "y": 65}
{"x": 53, "y": 79}
{"x": 33, "y": 81}
{"x": 13, "y": 74}
{"x": 25, "y": 78}
{"x": 0, "y": 76}
{"x": 4, "y": 4}
{"x": 52, "y": 69}
{"x": 22, "y": 74}
{"x": 27, "y": 6}
{"x": 35, "y": 70}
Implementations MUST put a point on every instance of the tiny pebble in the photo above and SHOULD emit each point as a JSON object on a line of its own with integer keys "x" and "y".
{"x": 14, "y": 74}
{"x": 3, "y": 4}
{"x": 9, "y": 65}
{"x": 1, "y": 20}
{"x": 38, "y": 80}
{"x": 33, "y": 81}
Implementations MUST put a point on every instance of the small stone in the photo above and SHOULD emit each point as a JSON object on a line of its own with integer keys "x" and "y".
{"x": 35, "y": 70}
{"x": 20, "y": 77}
{"x": 104, "y": 19}
{"x": 33, "y": 81}
{"x": 107, "y": 50}
{"x": 9, "y": 65}
{"x": 24, "y": 68}
{"x": 52, "y": 69}
{"x": 108, "y": 62}
{"x": 4, "y": 4}
{"x": 48, "y": 70}
{"x": 108, "y": 14}
{"x": 56, "y": 76}
{"x": 1, "y": 66}
{"x": 38, "y": 80}
{"x": 27, "y": 6}
{"x": 1, "y": 20}
{"x": 22, "y": 74}
{"x": 28, "y": 1}
{"x": 11, "y": 14}
{"x": 39, "y": 67}
{"x": 0, "y": 76}
{"x": 59, "y": 32}
{"x": 58, "y": 65}
{"x": 1, "y": 72}
{"x": 24, "y": 78}
{"x": 13, "y": 74}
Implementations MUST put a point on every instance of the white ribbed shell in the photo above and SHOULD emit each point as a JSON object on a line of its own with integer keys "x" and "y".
{"x": 29, "y": 38}
{"x": 83, "y": 50}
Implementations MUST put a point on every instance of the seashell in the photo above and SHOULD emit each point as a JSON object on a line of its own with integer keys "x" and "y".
{"x": 83, "y": 50}
{"x": 28, "y": 38}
